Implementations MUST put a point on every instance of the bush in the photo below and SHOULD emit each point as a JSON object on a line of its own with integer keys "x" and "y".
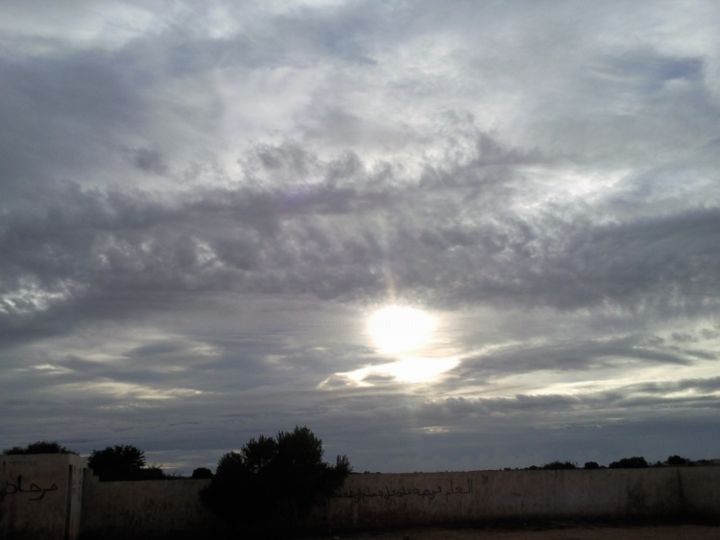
{"x": 122, "y": 462}
{"x": 202, "y": 472}
{"x": 39, "y": 447}
{"x": 591, "y": 465}
{"x": 637, "y": 462}
{"x": 274, "y": 482}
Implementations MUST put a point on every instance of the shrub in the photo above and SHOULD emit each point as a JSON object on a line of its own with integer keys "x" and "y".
{"x": 274, "y": 482}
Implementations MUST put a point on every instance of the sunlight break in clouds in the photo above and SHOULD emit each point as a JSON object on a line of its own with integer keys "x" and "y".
{"x": 397, "y": 330}
{"x": 406, "y": 334}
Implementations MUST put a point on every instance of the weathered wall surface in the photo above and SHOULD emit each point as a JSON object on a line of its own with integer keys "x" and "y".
{"x": 424, "y": 498}
{"x": 143, "y": 508}
{"x": 382, "y": 500}
{"x": 699, "y": 490}
{"x": 41, "y": 496}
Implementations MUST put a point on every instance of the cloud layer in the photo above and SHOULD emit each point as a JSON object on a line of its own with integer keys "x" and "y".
{"x": 202, "y": 205}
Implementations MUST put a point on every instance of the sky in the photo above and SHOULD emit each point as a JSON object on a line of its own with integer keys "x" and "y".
{"x": 444, "y": 235}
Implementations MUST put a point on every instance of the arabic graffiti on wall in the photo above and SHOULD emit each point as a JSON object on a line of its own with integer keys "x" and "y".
{"x": 38, "y": 493}
{"x": 430, "y": 494}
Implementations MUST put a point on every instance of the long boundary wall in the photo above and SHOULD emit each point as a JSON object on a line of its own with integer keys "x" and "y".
{"x": 43, "y": 508}
{"x": 471, "y": 497}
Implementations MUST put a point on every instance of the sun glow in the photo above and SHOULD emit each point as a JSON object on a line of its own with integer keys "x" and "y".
{"x": 403, "y": 335}
{"x": 400, "y": 329}
{"x": 407, "y": 370}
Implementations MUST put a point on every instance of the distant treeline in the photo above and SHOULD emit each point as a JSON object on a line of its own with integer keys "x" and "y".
{"x": 125, "y": 462}
{"x": 635, "y": 462}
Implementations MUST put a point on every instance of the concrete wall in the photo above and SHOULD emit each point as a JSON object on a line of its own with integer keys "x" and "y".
{"x": 699, "y": 491}
{"x": 143, "y": 508}
{"x": 41, "y": 496}
{"x": 387, "y": 500}
{"x": 425, "y": 498}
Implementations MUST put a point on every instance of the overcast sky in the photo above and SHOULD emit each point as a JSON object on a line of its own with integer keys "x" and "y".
{"x": 202, "y": 204}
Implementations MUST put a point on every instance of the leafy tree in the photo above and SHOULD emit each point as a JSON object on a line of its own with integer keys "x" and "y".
{"x": 636, "y": 462}
{"x": 591, "y": 465}
{"x": 202, "y": 472}
{"x": 122, "y": 462}
{"x": 39, "y": 447}
{"x": 274, "y": 482}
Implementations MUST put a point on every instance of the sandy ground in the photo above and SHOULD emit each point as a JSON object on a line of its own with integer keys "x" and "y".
{"x": 665, "y": 532}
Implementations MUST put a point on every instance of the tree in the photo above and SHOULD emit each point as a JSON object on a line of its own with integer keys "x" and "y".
{"x": 122, "y": 462}
{"x": 274, "y": 481}
{"x": 636, "y": 462}
{"x": 201, "y": 473}
{"x": 39, "y": 447}
{"x": 676, "y": 460}
{"x": 591, "y": 465}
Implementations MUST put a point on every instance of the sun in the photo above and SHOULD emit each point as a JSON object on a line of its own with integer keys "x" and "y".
{"x": 398, "y": 329}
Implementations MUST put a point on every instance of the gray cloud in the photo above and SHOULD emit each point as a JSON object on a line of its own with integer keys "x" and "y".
{"x": 200, "y": 206}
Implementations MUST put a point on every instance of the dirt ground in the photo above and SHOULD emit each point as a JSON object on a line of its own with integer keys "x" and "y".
{"x": 664, "y": 532}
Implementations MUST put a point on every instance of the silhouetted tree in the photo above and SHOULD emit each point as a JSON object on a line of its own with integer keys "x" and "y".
{"x": 39, "y": 447}
{"x": 122, "y": 462}
{"x": 676, "y": 460}
{"x": 202, "y": 472}
{"x": 591, "y": 465}
{"x": 559, "y": 465}
{"x": 274, "y": 482}
{"x": 636, "y": 462}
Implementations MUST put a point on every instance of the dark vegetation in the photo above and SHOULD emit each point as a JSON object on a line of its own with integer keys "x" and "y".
{"x": 678, "y": 460}
{"x": 635, "y": 462}
{"x": 274, "y": 480}
{"x": 559, "y": 465}
{"x": 122, "y": 462}
{"x": 201, "y": 472}
{"x": 39, "y": 447}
